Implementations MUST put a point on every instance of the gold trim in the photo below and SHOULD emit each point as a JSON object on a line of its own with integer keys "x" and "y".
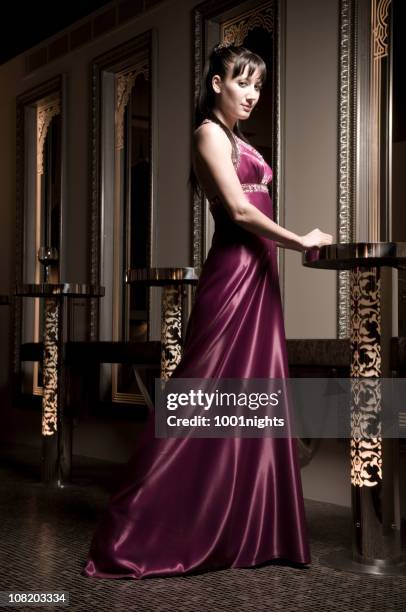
{"x": 379, "y": 50}
{"x": 124, "y": 85}
{"x": 380, "y": 27}
{"x": 47, "y": 109}
{"x": 125, "y": 82}
{"x": 235, "y": 30}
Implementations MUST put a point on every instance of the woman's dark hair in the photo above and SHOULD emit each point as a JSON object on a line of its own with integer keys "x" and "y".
{"x": 220, "y": 58}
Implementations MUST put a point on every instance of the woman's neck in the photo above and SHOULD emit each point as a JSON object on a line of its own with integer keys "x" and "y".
{"x": 230, "y": 123}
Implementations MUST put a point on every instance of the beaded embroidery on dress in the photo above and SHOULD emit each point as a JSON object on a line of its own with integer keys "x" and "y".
{"x": 245, "y": 149}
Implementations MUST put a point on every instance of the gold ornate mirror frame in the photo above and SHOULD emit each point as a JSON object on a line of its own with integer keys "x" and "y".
{"x": 231, "y": 22}
{"x": 39, "y": 168}
{"x": 117, "y": 77}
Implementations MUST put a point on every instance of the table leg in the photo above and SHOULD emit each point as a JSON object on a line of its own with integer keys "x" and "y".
{"x": 171, "y": 329}
{"x": 374, "y": 484}
{"x": 56, "y": 433}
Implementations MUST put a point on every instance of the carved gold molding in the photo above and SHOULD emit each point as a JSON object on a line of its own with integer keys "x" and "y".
{"x": 379, "y": 51}
{"x": 46, "y": 110}
{"x": 125, "y": 82}
{"x": 124, "y": 85}
{"x": 346, "y": 166}
{"x": 380, "y": 27}
{"x": 235, "y": 30}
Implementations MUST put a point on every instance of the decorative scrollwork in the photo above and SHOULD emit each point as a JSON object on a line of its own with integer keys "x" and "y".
{"x": 45, "y": 113}
{"x": 235, "y": 30}
{"x": 380, "y": 27}
{"x": 366, "y": 441}
{"x": 346, "y": 170}
{"x": 50, "y": 368}
{"x": 171, "y": 332}
{"x": 365, "y": 322}
{"x": 366, "y": 462}
{"x": 124, "y": 85}
{"x": 366, "y": 396}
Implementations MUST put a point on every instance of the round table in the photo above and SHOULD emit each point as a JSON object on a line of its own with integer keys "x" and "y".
{"x": 56, "y": 427}
{"x": 172, "y": 280}
{"x": 376, "y": 535}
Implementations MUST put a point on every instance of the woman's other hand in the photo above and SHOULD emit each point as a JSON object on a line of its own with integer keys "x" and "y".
{"x": 316, "y": 238}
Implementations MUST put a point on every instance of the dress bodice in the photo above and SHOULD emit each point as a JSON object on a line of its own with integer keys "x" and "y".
{"x": 254, "y": 175}
{"x": 252, "y": 169}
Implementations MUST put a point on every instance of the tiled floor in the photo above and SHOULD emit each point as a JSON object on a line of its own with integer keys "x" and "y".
{"x": 45, "y": 534}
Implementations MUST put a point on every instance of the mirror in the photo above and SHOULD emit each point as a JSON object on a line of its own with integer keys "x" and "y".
{"x": 121, "y": 207}
{"x": 39, "y": 213}
{"x": 255, "y": 25}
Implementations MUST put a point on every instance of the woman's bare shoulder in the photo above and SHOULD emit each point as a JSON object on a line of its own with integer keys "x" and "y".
{"x": 211, "y": 134}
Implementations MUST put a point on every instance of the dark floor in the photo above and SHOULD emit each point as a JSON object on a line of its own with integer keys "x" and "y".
{"x": 45, "y": 533}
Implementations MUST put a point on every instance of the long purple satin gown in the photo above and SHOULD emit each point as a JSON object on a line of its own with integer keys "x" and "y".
{"x": 191, "y": 504}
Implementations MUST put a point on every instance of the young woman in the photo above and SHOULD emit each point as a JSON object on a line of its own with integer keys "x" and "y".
{"x": 192, "y": 504}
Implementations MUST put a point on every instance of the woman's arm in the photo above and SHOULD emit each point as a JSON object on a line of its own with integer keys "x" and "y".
{"x": 213, "y": 153}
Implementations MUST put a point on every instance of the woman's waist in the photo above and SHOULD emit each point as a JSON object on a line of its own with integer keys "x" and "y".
{"x": 259, "y": 199}
{"x": 231, "y": 234}
{"x": 254, "y": 187}
{"x": 262, "y": 188}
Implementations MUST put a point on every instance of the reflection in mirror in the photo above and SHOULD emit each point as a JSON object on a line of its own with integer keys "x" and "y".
{"x": 255, "y": 25}
{"x": 39, "y": 214}
{"x": 134, "y": 166}
{"x": 48, "y": 204}
{"x": 51, "y": 186}
{"x": 121, "y": 208}
{"x": 259, "y": 38}
{"x": 138, "y": 210}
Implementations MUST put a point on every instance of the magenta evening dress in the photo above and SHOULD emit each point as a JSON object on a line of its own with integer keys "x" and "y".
{"x": 193, "y": 504}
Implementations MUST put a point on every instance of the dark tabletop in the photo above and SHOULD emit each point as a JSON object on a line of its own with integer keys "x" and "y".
{"x": 162, "y": 276}
{"x": 59, "y": 290}
{"x": 356, "y": 254}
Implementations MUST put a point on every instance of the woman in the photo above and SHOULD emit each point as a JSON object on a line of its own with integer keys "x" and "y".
{"x": 192, "y": 504}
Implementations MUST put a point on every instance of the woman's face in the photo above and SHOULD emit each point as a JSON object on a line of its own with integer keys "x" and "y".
{"x": 237, "y": 96}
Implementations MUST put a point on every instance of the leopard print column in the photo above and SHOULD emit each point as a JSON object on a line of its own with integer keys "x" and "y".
{"x": 171, "y": 329}
{"x": 366, "y": 453}
{"x": 50, "y": 367}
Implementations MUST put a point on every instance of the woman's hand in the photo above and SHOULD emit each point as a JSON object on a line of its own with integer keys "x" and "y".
{"x": 315, "y": 238}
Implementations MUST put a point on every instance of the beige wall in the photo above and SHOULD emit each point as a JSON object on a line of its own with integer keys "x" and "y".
{"x": 310, "y": 158}
{"x": 9, "y": 75}
{"x": 310, "y": 145}
{"x": 172, "y": 23}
